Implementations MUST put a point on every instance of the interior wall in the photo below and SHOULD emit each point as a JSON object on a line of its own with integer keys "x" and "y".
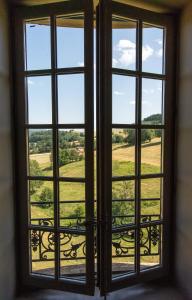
{"x": 184, "y": 163}
{"x": 7, "y": 272}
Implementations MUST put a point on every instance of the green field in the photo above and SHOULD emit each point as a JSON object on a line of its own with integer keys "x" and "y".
{"x": 123, "y": 164}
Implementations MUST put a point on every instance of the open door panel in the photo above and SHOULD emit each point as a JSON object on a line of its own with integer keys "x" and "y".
{"x": 54, "y": 46}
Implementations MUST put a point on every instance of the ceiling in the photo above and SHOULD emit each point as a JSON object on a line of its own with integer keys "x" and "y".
{"x": 156, "y": 5}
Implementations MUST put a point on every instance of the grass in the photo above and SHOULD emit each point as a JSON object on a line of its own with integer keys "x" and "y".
{"x": 123, "y": 164}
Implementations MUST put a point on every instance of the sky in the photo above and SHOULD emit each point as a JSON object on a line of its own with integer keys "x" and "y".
{"x": 71, "y": 87}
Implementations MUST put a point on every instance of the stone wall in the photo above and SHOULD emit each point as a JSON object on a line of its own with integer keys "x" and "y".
{"x": 7, "y": 269}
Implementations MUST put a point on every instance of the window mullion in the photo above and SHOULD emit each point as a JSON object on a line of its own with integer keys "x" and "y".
{"x": 55, "y": 142}
{"x": 138, "y": 143}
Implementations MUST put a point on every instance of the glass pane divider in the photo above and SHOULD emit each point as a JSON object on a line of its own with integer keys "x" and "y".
{"x": 137, "y": 126}
{"x": 55, "y": 71}
{"x": 137, "y": 73}
{"x": 57, "y": 126}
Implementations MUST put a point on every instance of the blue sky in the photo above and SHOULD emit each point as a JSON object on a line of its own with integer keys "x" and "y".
{"x": 71, "y": 87}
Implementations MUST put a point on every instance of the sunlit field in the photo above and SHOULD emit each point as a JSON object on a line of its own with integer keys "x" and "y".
{"x": 123, "y": 164}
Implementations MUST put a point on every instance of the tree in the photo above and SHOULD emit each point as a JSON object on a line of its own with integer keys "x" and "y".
{"x": 155, "y": 119}
{"x": 117, "y": 138}
{"x": 35, "y": 170}
{"x": 46, "y": 196}
{"x": 130, "y": 137}
{"x": 122, "y": 209}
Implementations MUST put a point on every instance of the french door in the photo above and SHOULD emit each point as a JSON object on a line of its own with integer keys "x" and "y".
{"x": 94, "y": 196}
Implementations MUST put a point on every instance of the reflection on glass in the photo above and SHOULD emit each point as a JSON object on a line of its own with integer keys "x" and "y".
{"x": 71, "y": 99}
{"x": 71, "y": 153}
{"x": 42, "y": 252}
{"x": 41, "y": 202}
{"x": 70, "y": 41}
{"x": 73, "y": 256}
{"x": 151, "y": 151}
{"x": 39, "y": 100}
{"x": 123, "y": 202}
{"x": 38, "y": 44}
{"x": 123, "y": 253}
{"x": 124, "y": 43}
{"x": 123, "y": 106}
{"x": 40, "y": 152}
{"x": 150, "y": 247}
{"x": 123, "y": 152}
{"x": 153, "y": 49}
{"x": 152, "y": 101}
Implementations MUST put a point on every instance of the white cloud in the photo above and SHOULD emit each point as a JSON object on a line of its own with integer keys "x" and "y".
{"x": 31, "y": 82}
{"x": 126, "y": 51}
{"x": 132, "y": 102}
{"x": 147, "y": 52}
{"x": 159, "y": 41}
{"x": 115, "y": 62}
{"x": 117, "y": 93}
{"x": 125, "y": 44}
{"x": 159, "y": 52}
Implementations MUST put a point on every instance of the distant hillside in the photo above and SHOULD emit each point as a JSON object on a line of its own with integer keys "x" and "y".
{"x": 155, "y": 119}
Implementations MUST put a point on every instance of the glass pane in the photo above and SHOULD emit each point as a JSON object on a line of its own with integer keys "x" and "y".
{"x": 153, "y": 49}
{"x": 70, "y": 41}
{"x": 40, "y": 152}
{"x": 39, "y": 100}
{"x": 150, "y": 210}
{"x": 151, "y": 151}
{"x": 123, "y": 203}
{"x": 72, "y": 256}
{"x": 123, "y": 253}
{"x": 150, "y": 247}
{"x": 71, "y": 99}
{"x": 72, "y": 204}
{"x": 42, "y": 252}
{"x": 41, "y": 202}
{"x": 71, "y": 191}
{"x": 151, "y": 199}
{"x": 124, "y": 94}
{"x": 151, "y": 188}
{"x": 152, "y": 101}
{"x": 72, "y": 215}
{"x": 71, "y": 153}
{"x": 124, "y": 43}
{"x": 38, "y": 44}
{"x": 123, "y": 152}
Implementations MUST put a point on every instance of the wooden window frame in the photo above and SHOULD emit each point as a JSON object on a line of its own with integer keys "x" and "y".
{"x": 104, "y": 127}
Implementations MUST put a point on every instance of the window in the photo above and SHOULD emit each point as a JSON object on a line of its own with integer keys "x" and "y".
{"x": 94, "y": 195}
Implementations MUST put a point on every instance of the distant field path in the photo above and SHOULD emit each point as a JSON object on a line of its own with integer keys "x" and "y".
{"x": 151, "y": 153}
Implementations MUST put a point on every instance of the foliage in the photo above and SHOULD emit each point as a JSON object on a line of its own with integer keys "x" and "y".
{"x": 117, "y": 138}
{"x": 67, "y": 156}
{"x": 155, "y": 119}
{"x": 78, "y": 212}
{"x": 35, "y": 170}
{"x": 46, "y": 196}
{"x": 40, "y": 141}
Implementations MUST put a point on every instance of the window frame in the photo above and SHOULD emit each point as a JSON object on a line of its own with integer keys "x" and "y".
{"x": 51, "y": 10}
{"x": 104, "y": 90}
{"x": 104, "y": 109}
